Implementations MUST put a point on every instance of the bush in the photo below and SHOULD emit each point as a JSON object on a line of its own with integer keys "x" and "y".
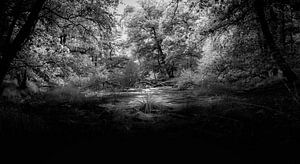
{"x": 67, "y": 93}
{"x": 204, "y": 83}
{"x": 146, "y": 104}
{"x": 78, "y": 81}
{"x": 187, "y": 79}
{"x": 12, "y": 92}
{"x": 95, "y": 83}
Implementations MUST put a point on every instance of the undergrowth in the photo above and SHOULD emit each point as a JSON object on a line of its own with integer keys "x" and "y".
{"x": 147, "y": 104}
{"x": 67, "y": 93}
{"x": 260, "y": 113}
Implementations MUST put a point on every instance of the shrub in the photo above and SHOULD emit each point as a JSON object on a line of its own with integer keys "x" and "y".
{"x": 9, "y": 90}
{"x": 12, "y": 92}
{"x": 78, "y": 81}
{"x": 187, "y": 79}
{"x": 130, "y": 74}
{"x": 204, "y": 83}
{"x": 67, "y": 93}
{"x": 148, "y": 104}
{"x": 95, "y": 83}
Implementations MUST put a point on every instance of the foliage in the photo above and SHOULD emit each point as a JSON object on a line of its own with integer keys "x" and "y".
{"x": 130, "y": 75}
{"x": 193, "y": 41}
{"x": 187, "y": 79}
{"x": 66, "y": 40}
{"x": 158, "y": 38}
{"x": 147, "y": 104}
{"x": 235, "y": 50}
{"x": 64, "y": 94}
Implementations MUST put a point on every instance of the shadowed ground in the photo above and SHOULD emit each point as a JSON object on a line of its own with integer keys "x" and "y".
{"x": 236, "y": 127}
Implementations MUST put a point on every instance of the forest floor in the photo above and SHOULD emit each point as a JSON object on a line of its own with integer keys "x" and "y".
{"x": 143, "y": 125}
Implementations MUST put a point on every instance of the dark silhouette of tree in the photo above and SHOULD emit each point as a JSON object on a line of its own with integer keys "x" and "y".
{"x": 276, "y": 54}
{"x": 22, "y": 21}
{"x": 12, "y": 43}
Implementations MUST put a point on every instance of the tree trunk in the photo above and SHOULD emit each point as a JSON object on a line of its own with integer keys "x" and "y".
{"x": 13, "y": 47}
{"x": 161, "y": 63}
{"x": 275, "y": 52}
{"x": 8, "y": 56}
{"x": 22, "y": 79}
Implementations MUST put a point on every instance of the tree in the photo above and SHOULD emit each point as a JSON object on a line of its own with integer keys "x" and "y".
{"x": 231, "y": 14}
{"x": 54, "y": 32}
{"x": 12, "y": 42}
{"x": 143, "y": 28}
{"x": 161, "y": 36}
{"x": 275, "y": 51}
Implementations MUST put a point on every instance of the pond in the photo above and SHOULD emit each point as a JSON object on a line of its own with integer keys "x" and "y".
{"x": 166, "y": 97}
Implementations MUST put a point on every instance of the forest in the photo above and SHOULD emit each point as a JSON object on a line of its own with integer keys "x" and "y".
{"x": 181, "y": 80}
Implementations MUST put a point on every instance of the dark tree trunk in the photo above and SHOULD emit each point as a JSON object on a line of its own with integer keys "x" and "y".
{"x": 275, "y": 52}
{"x": 170, "y": 70}
{"x": 22, "y": 79}
{"x": 12, "y": 47}
{"x": 161, "y": 63}
{"x": 8, "y": 56}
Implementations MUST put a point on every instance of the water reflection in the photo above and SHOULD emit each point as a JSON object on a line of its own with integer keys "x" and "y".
{"x": 164, "y": 96}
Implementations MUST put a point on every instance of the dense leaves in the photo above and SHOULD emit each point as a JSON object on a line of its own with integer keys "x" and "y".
{"x": 221, "y": 40}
